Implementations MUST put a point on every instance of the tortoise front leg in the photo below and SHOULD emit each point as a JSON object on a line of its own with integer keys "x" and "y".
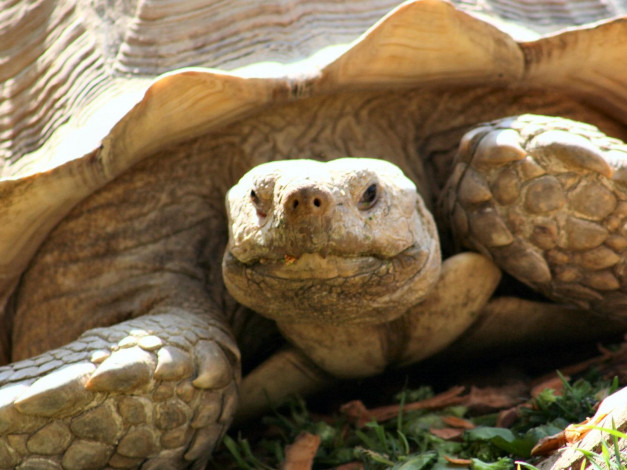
{"x": 287, "y": 372}
{"x": 158, "y": 390}
{"x": 546, "y": 198}
{"x": 122, "y": 314}
{"x": 466, "y": 283}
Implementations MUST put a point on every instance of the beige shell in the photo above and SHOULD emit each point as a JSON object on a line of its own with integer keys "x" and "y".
{"x": 80, "y": 103}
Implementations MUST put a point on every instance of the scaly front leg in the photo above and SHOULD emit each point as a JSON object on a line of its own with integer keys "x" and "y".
{"x": 157, "y": 391}
{"x": 545, "y": 198}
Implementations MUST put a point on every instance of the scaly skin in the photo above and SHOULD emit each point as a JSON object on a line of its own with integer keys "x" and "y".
{"x": 159, "y": 389}
{"x": 546, "y": 198}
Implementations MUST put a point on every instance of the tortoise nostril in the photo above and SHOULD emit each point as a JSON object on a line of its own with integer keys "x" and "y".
{"x": 307, "y": 201}
{"x": 317, "y": 202}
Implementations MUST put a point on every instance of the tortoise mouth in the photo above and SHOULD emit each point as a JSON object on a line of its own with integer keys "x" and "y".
{"x": 333, "y": 288}
{"x": 316, "y": 266}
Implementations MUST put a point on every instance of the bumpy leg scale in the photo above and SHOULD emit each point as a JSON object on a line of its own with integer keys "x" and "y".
{"x": 546, "y": 198}
{"x": 154, "y": 392}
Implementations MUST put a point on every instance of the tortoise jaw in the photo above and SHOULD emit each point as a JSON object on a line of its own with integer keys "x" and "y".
{"x": 329, "y": 266}
{"x": 316, "y": 266}
{"x": 334, "y": 289}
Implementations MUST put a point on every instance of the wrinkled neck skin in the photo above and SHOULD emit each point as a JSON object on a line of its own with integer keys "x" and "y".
{"x": 351, "y": 339}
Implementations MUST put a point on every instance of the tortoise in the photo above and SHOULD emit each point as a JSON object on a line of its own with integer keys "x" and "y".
{"x": 121, "y": 342}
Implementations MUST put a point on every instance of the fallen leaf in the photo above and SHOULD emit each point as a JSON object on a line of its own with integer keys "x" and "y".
{"x": 508, "y": 417}
{"x": 448, "y": 434}
{"x": 457, "y": 461}
{"x": 289, "y": 259}
{"x": 455, "y": 422}
{"x": 495, "y": 398}
{"x": 548, "y": 445}
{"x": 489, "y": 398}
{"x": 575, "y": 432}
{"x": 573, "y": 369}
{"x": 571, "y": 435}
{"x": 300, "y": 454}
{"x": 553, "y": 382}
{"x": 359, "y": 415}
{"x": 441, "y": 400}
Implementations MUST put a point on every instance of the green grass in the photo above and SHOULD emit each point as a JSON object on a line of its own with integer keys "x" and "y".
{"x": 611, "y": 459}
{"x": 406, "y": 442}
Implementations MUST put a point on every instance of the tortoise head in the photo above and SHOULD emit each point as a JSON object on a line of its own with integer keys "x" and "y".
{"x": 347, "y": 241}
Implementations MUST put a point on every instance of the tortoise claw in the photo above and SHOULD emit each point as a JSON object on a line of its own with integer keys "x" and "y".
{"x": 575, "y": 151}
{"x": 214, "y": 369}
{"x": 173, "y": 364}
{"x": 11, "y": 420}
{"x": 125, "y": 370}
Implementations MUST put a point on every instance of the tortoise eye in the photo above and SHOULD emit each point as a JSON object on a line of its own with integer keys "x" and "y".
{"x": 368, "y": 198}
{"x": 254, "y": 197}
